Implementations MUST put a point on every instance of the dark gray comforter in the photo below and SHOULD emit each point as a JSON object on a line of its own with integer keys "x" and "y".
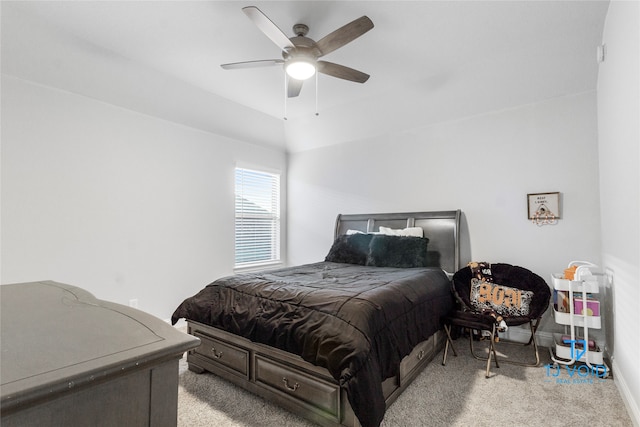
{"x": 356, "y": 321}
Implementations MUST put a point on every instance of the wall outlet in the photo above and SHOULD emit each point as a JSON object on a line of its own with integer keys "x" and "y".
{"x": 133, "y": 303}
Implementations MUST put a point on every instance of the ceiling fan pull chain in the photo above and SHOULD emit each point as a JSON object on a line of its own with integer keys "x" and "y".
{"x": 317, "y": 114}
{"x": 285, "y": 95}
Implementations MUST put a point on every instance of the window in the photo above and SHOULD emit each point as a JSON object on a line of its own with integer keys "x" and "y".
{"x": 257, "y": 217}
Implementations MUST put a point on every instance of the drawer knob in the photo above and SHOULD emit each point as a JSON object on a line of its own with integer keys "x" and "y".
{"x": 215, "y": 353}
{"x": 420, "y": 355}
{"x": 286, "y": 384}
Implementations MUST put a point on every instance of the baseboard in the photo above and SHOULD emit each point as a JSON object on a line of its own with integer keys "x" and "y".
{"x": 543, "y": 339}
{"x": 627, "y": 398}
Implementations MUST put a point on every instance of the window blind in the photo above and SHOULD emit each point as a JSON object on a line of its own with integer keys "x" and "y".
{"x": 257, "y": 217}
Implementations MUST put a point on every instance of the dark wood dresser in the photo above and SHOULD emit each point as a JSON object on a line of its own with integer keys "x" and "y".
{"x": 69, "y": 359}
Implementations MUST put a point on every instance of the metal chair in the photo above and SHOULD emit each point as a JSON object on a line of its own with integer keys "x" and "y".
{"x": 503, "y": 278}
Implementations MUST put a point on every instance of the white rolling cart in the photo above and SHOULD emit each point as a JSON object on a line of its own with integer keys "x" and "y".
{"x": 572, "y": 296}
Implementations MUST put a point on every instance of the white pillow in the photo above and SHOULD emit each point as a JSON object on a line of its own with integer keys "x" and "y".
{"x": 409, "y": 231}
{"x": 350, "y": 232}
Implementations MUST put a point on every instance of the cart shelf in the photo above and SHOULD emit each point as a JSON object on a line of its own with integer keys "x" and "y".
{"x": 593, "y": 322}
{"x": 561, "y": 284}
{"x": 563, "y": 351}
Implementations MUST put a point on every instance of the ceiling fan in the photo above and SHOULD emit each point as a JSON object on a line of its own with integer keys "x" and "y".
{"x": 300, "y": 53}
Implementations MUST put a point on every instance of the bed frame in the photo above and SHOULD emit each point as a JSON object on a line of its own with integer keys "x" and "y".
{"x": 308, "y": 390}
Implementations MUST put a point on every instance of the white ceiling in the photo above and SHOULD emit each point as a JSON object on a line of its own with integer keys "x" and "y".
{"x": 429, "y": 61}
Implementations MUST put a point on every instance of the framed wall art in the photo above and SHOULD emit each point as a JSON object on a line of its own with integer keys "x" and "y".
{"x": 543, "y": 206}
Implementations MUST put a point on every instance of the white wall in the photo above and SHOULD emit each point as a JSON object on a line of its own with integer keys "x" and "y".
{"x": 619, "y": 141}
{"x": 116, "y": 202}
{"x": 483, "y": 165}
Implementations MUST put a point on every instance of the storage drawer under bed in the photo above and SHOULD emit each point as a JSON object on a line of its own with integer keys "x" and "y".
{"x": 230, "y": 357}
{"x": 297, "y": 384}
{"x": 422, "y": 353}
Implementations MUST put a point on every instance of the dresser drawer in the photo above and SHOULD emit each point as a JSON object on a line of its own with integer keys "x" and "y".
{"x": 420, "y": 352}
{"x": 230, "y": 357}
{"x": 309, "y": 391}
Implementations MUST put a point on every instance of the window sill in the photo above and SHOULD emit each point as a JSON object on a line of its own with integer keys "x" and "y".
{"x": 270, "y": 265}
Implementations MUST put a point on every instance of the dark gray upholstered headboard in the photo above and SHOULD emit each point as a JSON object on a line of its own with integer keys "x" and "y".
{"x": 441, "y": 228}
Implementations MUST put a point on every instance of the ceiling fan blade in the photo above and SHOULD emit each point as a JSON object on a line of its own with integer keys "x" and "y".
{"x": 267, "y": 26}
{"x": 293, "y": 87}
{"x": 252, "y": 64}
{"x": 342, "y": 72}
{"x": 344, "y": 35}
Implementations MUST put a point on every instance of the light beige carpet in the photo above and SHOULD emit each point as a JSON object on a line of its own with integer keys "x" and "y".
{"x": 457, "y": 394}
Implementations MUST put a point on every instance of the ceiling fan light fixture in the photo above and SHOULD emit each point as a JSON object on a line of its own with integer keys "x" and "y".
{"x": 300, "y": 68}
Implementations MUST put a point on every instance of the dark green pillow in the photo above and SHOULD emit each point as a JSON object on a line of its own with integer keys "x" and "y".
{"x": 350, "y": 249}
{"x": 397, "y": 251}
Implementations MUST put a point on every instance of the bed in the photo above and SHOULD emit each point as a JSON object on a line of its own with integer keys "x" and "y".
{"x": 338, "y": 340}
